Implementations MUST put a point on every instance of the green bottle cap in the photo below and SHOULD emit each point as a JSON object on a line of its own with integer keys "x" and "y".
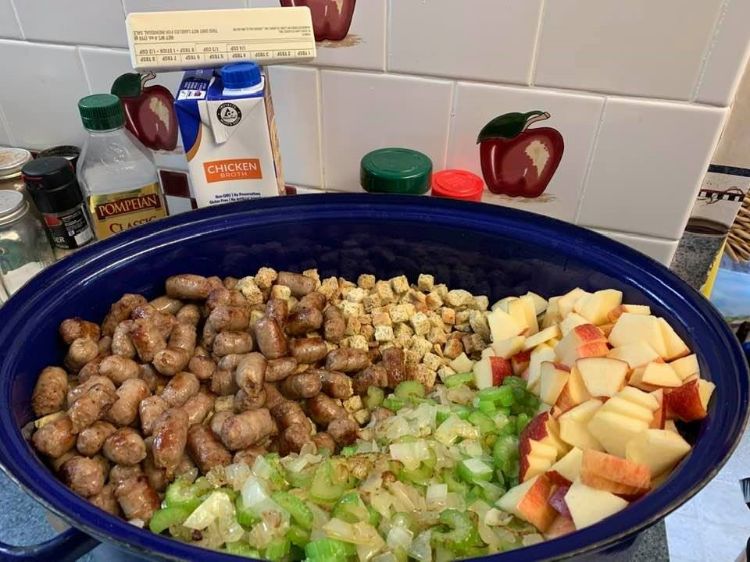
{"x": 101, "y": 112}
{"x": 396, "y": 170}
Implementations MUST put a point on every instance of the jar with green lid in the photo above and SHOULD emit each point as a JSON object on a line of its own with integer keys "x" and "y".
{"x": 396, "y": 170}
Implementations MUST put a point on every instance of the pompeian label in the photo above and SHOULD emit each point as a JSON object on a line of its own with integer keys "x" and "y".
{"x": 116, "y": 212}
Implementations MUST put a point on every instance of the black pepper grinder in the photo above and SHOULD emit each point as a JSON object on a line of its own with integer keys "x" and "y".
{"x": 52, "y": 184}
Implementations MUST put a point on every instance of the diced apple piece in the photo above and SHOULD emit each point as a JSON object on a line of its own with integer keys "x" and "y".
{"x": 602, "y": 376}
{"x": 552, "y": 381}
{"x": 573, "y": 393}
{"x": 568, "y": 467}
{"x": 539, "y": 355}
{"x": 560, "y": 527}
{"x": 490, "y": 371}
{"x": 634, "y": 328}
{"x": 543, "y": 450}
{"x": 686, "y": 366}
{"x": 461, "y": 364}
{"x": 685, "y": 402}
{"x": 634, "y": 354}
{"x": 540, "y": 303}
{"x": 705, "y": 389}
{"x": 616, "y": 312}
{"x": 552, "y": 314}
{"x": 543, "y": 428}
{"x": 540, "y": 337}
{"x": 660, "y": 374}
{"x": 520, "y": 362}
{"x": 660, "y": 414}
{"x": 629, "y": 409}
{"x": 509, "y": 347}
{"x": 582, "y": 341}
{"x": 613, "y": 430}
{"x": 613, "y": 474}
{"x": 502, "y": 304}
{"x": 529, "y": 308}
{"x": 574, "y": 426}
{"x": 568, "y": 301}
{"x": 488, "y": 352}
{"x": 557, "y": 500}
{"x": 503, "y": 325}
{"x": 648, "y": 401}
{"x": 606, "y": 328}
{"x": 531, "y": 466}
{"x": 669, "y": 425}
{"x": 588, "y": 506}
{"x": 517, "y": 311}
{"x": 530, "y": 501}
{"x": 675, "y": 347}
{"x": 659, "y": 449}
{"x": 571, "y": 321}
{"x": 595, "y": 307}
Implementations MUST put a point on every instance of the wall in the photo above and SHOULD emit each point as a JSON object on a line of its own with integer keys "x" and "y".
{"x": 638, "y": 90}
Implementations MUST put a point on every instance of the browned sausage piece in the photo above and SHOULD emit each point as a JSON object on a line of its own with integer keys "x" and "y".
{"x": 270, "y": 338}
{"x": 198, "y": 407}
{"x": 118, "y": 369}
{"x": 55, "y": 438}
{"x": 124, "y": 446}
{"x": 304, "y": 385}
{"x": 335, "y": 384}
{"x": 163, "y": 322}
{"x": 105, "y": 346}
{"x": 230, "y": 282}
{"x": 91, "y": 439}
{"x": 218, "y": 419}
{"x": 83, "y": 475}
{"x": 248, "y": 456}
{"x": 379, "y": 414}
{"x": 120, "y": 473}
{"x": 223, "y": 383}
{"x": 121, "y": 342}
{"x": 147, "y": 339}
{"x": 120, "y": 311}
{"x": 347, "y": 360}
{"x": 273, "y": 396}
{"x": 324, "y": 441}
{"x": 374, "y": 375}
{"x": 229, "y": 318}
{"x": 246, "y": 429}
{"x": 205, "y": 449}
{"x": 293, "y": 438}
{"x": 289, "y": 413}
{"x": 244, "y": 401}
{"x": 50, "y": 391}
{"x": 180, "y": 388}
{"x": 324, "y": 409}
{"x": 232, "y": 342}
{"x": 153, "y": 379}
{"x": 230, "y": 362}
{"x": 73, "y": 328}
{"x": 171, "y": 361}
{"x": 334, "y": 324}
{"x": 184, "y": 337}
{"x": 166, "y": 304}
{"x": 106, "y": 500}
{"x": 186, "y": 465}
{"x": 170, "y": 437}
{"x": 298, "y": 283}
{"x": 150, "y": 410}
{"x": 279, "y": 369}
{"x": 76, "y": 392}
{"x": 157, "y": 477}
{"x": 343, "y": 430}
{"x": 80, "y": 352}
{"x": 188, "y": 287}
{"x": 393, "y": 361}
{"x": 202, "y": 367}
{"x": 129, "y": 395}
{"x": 137, "y": 499}
{"x": 92, "y": 406}
{"x": 278, "y": 309}
{"x": 303, "y": 320}
{"x": 313, "y": 300}
{"x": 89, "y": 370}
{"x": 308, "y": 350}
{"x": 189, "y": 314}
{"x": 250, "y": 373}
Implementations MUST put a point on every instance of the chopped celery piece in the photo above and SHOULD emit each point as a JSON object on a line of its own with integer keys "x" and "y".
{"x": 245, "y": 517}
{"x": 349, "y": 450}
{"x": 240, "y": 548}
{"x": 374, "y": 398}
{"x": 277, "y": 549}
{"x": 298, "y": 536}
{"x": 393, "y": 404}
{"x": 457, "y": 380}
{"x": 182, "y": 493}
{"x": 407, "y": 390}
{"x": 459, "y": 533}
{"x": 461, "y": 411}
{"x": 325, "y": 486}
{"x": 487, "y": 407}
{"x": 300, "y": 513}
{"x": 454, "y": 485}
{"x": 482, "y": 421}
{"x": 351, "y": 508}
{"x": 328, "y": 550}
{"x": 169, "y": 516}
{"x": 474, "y": 470}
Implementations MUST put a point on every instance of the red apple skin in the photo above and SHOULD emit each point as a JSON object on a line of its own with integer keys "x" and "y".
{"x": 614, "y": 474}
{"x": 558, "y": 479}
{"x": 684, "y": 402}
{"x": 557, "y": 500}
{"x": 520, "y": 362}
{"x": 501, "y": 368}
{"x": 660, "y": 415}
{"x": 536, "y": 430}
{"x": 560, "y": 527}
{"x": 535, "y": 505}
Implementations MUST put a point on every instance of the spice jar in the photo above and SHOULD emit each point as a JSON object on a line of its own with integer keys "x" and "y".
{"x": 11, "y": 162}
{"x": 24, "y": 249}
{"x": 52, "y": 184}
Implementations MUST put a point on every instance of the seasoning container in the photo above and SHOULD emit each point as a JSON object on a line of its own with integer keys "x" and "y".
{"x": 396, "y": 170}
{"x": 118, "y": 177}
{"x": 69, "y": 152}
{"x": 11, "y": 162}
{"x": 457, "y": 184}
{"x": 24, "y": 249}
{"x": 52, "y": 184}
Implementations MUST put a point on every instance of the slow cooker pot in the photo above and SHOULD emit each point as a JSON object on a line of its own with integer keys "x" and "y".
{"x": 487, "y": 250}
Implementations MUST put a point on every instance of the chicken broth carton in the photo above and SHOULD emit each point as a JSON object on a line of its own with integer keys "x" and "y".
{"x": 227, "y": 123}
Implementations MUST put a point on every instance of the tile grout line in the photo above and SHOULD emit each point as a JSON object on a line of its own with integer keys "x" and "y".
{"x": 386, "y": 33}
{"x": 590, "y": 162}
{"x": 6, "y": 126}
{"x": 18, "y": 18}
{"x": 451, "y": 116}
{"x": 85, "y": 70}
{"x": 708, "y": 50}
{"x": 535, "y": 53}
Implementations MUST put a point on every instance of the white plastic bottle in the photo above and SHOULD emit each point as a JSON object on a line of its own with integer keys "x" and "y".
{"x": 118, "y": 177}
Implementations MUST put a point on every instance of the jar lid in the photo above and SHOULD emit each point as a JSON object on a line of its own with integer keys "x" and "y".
{"x": 239, "y": 75}
{"x": 101, "y": 112}
{"x": 70, "y": 152}
{"x": 12, "y": 206}
{"x": 12, "y": 160}
{"x": 396, "y": 170}
{"x": 457, "y": 184}
{"x": 52, "y": 184}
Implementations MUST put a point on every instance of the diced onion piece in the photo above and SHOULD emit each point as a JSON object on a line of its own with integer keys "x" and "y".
{"x": 454, "y": 428}
{"x": 421, "y": 549}
{"x": 236, "y": 475}
{"x": 399, "y": 537}
{"x": 410, "y": 454}
{"x": 437, "y": 496}
{"x": 215, "y": 506}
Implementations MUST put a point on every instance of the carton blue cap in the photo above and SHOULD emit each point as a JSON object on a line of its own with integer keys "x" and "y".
{"x": 239, "y": 75}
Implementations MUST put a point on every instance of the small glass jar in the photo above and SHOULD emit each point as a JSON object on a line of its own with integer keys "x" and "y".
{"x": 24, "y": 247}
{"x": 11, "y": 162}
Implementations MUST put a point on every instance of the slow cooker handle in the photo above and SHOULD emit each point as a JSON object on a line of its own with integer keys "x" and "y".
{"x": 68, "y": 546}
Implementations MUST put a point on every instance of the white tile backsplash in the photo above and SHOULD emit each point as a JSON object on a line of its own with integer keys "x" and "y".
{"x": 102, "y": 66}
{"x": 650, "y": 159}
{"x": 5, "y": 138}
{"x": 88, "y": 22}
{"x": 727, "y": 56}
{"x": 9, "y": 27}
{"x": 296, "y": 103}
{"x": 490, "y": 40}
{"x": 41, "y": 108}
{"x": 575, "y": 116}
{"x": 362, "y": 112}
{"x": 657, "y": 248}
{"x": 638, "y": 47}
